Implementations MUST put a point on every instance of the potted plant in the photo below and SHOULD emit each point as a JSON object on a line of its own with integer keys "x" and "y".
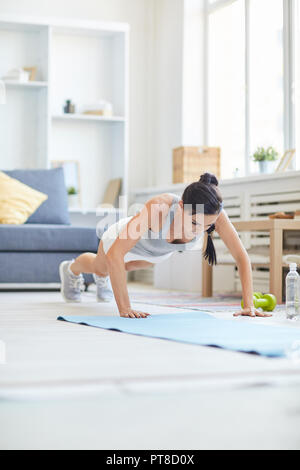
{"x": 73, "y": 197}
{"x": 266, "y": 159}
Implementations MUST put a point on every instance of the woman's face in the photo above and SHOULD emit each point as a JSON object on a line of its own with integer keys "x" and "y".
{"x": 201, "y": 223}
{"x": 195, "y": 225}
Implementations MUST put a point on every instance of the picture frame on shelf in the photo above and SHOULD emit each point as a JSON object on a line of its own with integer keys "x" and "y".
{"x": 72, "y": 179}
{"x": 285, "y": 160}
{"x": 32, "y": 73}
{"x": 112, "y": 192}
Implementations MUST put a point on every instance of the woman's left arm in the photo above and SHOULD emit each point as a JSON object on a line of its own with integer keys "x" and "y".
{"x": 233, "y": 242}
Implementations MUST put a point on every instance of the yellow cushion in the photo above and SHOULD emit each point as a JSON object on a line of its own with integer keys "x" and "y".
{"x": 17, "y": 200}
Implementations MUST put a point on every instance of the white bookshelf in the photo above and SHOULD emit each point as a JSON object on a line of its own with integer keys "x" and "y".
{"x": 79, "y": 60}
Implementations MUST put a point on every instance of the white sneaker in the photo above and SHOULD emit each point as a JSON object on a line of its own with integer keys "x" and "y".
{"x": 104, "y": 289}
{"x": 71, "y": 285}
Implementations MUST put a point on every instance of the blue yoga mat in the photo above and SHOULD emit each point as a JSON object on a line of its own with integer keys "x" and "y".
{"x": 202, "y": 329}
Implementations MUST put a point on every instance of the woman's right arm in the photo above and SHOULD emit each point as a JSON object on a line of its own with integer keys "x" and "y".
{"x": 117, "y": 272}
{"x": 126, "y": 240}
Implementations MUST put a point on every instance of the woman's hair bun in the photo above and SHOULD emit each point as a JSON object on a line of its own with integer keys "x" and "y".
{"x": 209, "y": 178}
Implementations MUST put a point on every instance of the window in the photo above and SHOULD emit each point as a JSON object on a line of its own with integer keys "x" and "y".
{"x": 266, "y": 83}
{"x": 226, "y": 86}
{"x": 248, "y": 79}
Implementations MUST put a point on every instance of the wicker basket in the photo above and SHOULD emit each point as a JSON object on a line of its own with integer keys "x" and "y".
{"x": 189, "y": 163}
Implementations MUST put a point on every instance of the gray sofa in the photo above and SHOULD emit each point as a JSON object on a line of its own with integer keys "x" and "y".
{"x": 31, "y": 253}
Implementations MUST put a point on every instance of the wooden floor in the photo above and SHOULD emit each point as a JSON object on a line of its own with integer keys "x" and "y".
{"x": 69, "y": 386}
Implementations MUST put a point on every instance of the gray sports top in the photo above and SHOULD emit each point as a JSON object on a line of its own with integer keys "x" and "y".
{"x": 155, "y": 243}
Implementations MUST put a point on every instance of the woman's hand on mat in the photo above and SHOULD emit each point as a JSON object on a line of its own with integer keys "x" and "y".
{"x": 251, "y": 312}
{"x": 129, "y": 313}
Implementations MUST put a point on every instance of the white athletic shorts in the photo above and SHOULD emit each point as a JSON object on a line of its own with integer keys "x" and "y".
{"x": 112, "y": 233}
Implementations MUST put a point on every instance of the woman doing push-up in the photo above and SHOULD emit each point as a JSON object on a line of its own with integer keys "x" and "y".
{"x": 166, "y": 224}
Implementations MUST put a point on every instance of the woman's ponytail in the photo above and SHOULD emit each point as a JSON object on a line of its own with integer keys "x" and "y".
{"x": 210, "y": 252}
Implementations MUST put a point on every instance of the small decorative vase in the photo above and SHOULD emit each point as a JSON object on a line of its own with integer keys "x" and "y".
{"x": 69, "y": 107}
{"x": 267, "y": 167}
{"x": 73, "y": 201}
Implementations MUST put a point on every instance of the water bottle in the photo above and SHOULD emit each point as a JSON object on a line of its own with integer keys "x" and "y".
{"x": 292, "y": 293}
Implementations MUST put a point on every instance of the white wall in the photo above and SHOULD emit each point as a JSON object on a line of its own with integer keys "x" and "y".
{"x": 139, "y": 14}
{"x": 177, "y": 77}
{"x": 167, "y": 86}
{"x": 193, "y": 95}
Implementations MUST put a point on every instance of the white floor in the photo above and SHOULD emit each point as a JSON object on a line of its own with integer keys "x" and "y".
{"x": 70, "y": 386}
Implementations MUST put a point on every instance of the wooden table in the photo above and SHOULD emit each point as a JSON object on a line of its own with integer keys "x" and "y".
{"x": 276, "y": 228}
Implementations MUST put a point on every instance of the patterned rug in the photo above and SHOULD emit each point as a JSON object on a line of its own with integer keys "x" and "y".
{"x": 189, "y": 301}
{"x": 186, "y": 300}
